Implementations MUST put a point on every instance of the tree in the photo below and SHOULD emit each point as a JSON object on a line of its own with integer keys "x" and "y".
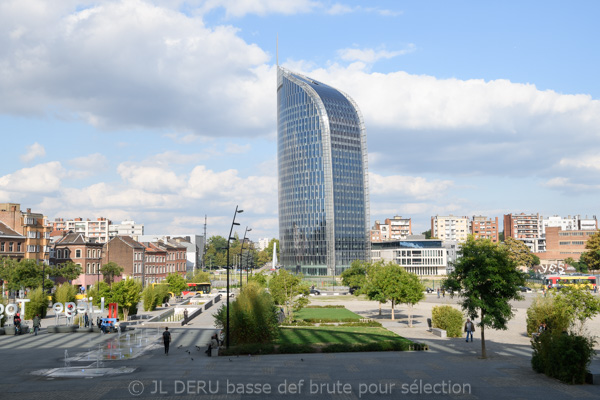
{"x": 427, "y": 234}
{"x": 216, "y": 252}
{"x": 356, "y": 275}
{"x": 110, "y": 270}
{"x": 579, "y": 304}
{"x": 411, "y": 292}
{"x": 266, "y": 255}
{"x": 21, "y": 274}
{"x": 373, "y": 289}
{"x": 520, "y": 253}
{"x": 591, "y": 257}
{"x": 260, "y": 279}
{"x": 288, "y": 291}
{"x": 65, "y": 293}
{"x": 200, "y": 277}
{"x": 177, "y": 283}
{"x": 38, "y": 304}
{"x": 489, "y": 279}
{"x": 127, "y": 294}
{"x": 69, "y": 270}
{"x": 578, "y": 265}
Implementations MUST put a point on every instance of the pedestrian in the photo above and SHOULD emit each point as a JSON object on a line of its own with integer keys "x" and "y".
{"x": 86, "y": 320}
{"x": 98, "y": 322}
{"x": 36, "y": 324}
{"x": 444, "y": 293}
{"x": 167, "y": 339}
{"x": 469, "y": 328}
{"x": 438, "y": 292}
{"x": 185, "y": 316}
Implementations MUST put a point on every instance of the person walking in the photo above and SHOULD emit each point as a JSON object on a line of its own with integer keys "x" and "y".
{"x": 438, "y": 293}
{"x": 167, "y": 339}
{"x": 86, "y": 320}
{"x": 37, "y": 321}
{"x": 469, "y": 328}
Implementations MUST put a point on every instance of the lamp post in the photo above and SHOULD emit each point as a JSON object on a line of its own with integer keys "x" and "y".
{"x": 242, "y": 254}
{"x": 228, "y": 267}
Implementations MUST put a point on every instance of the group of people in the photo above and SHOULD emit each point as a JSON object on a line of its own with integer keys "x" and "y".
{"x": 37, "y": 322}
{"x": 215, "y": 343}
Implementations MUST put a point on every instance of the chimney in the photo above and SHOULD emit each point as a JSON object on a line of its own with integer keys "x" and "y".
{"x": 29, "y": 211}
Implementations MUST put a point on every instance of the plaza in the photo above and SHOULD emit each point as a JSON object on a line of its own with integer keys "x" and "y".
{"x": 450, "y": 368}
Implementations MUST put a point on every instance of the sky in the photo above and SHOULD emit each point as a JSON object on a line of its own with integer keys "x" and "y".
{"x": 164, "y": 111}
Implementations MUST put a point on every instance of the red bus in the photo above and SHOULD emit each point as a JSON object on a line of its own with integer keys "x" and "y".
{"x": 197, "y": 288}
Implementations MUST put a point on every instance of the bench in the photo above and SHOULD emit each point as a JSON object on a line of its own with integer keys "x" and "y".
{"x": 439, "y": 332}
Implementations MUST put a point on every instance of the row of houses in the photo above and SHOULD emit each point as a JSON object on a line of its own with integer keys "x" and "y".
{"x": 148, "y": 258}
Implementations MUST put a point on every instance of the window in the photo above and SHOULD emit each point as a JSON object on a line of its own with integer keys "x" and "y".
{"x": 19, "y": 247}
{"x": 1, "y": 246}
{"x": 10, "y": 246}
{"x": 77, "y": 253}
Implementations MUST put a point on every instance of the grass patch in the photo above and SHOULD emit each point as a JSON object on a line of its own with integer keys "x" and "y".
{"x": 349, "y": 335}
{"x": 328, "y": 314}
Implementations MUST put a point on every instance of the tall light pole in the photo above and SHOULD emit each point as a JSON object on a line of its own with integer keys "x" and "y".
{"x": 241, "y": 255}
{"x": 228, "y": 267}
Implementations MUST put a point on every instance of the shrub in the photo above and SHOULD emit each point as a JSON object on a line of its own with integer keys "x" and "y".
{"x": 253, "y": 317}
{"x": 327, "y": 306}
{"x": 249, "y": 348}
{"x": 3, "y": 316}
{"x": 563, "y": 356}
{"x": 299, "y": 322}
{"x": 386, "y": 345}
{"x": 38, "y": 304}
{"x": 448, "y": 318}
{"x": 369, "y": 324}
{"x": 295, "y": 348}
{"x": 149, "y": 297}
{"x": 544, "y": 309}
{"x": 65, "y": 293}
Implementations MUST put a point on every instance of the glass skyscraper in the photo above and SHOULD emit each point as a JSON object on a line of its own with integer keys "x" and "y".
{"x": 323, "y": 182}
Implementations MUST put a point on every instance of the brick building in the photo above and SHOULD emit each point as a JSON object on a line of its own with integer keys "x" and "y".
{"x": 154, "y": 263}
{"x": 128, "y": 253}
{"x": 562, "y": 244}
{"x": 33, "y": 226}
{"x": 12, "y": 243}
{"x": 87, "y": 254}
{"x": 396, "y": 228}
{"x": 484, "y": 228}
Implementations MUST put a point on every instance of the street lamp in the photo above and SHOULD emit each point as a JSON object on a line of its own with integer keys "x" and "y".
{"x": 228, "y": 267}
{"x": 241, "y": 255}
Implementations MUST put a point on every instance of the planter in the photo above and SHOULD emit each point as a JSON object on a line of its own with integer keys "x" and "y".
{"x": 9, "y": 330}
{"x": 2, "y": 331}
{"x": 85, "y": 330}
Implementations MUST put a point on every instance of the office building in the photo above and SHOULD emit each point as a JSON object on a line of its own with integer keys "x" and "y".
{"x": 323, "y": 177}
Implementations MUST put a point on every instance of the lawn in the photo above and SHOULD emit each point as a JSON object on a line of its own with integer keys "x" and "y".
{"x": 319, "y": 335}
{"x": 326, "y": 313}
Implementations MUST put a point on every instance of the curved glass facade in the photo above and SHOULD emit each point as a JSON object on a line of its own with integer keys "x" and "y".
{"x": 323, "y": 186}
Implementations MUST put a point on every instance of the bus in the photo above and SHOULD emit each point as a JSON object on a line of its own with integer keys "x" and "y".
{"x": 579, "y": 281}
{"x": 197, "y": 288}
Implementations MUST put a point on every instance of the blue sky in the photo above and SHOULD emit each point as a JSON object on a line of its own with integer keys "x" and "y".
{"x": 164, "y": 111}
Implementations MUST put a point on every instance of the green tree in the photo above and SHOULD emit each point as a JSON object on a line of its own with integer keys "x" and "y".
{"x": 216, "y": 252}
{"x": 69, "y": 270}
{"x": 356, "y": 275}
{"x": 21, "y": 274}
{"x": 288, "y": 291}
{"x": 149, "y": 298}
{"x": 260, "y": 279}
{"x": 578, "y": 265}
{"x": 99, "y": 290}
{"x": 591, "y": 257}
{"x": 200, "y": 277}
{"x": 176, "y": 283}
{"x": 373, "y": 289}
{"x": 412, "y": 291}
{"x": 520, "y": 253}
{"x": 110, "y": 271}
{"x": 127, "y": 294}
{"x": 489, "y": 279}
{"x": 427, "y": 234}
{"x": 579, "y": 304}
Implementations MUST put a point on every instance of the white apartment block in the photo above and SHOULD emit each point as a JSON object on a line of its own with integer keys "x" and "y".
{"x": 95, "y": 231}
{"x": 571, "y": 223}
{"x": 126, "y": 228}
{"x": 263, "y": 243}
{"x": 396, "y": 228}
{"x": 450, "y": 228}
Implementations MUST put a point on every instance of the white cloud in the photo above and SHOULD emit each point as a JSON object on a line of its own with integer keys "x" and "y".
{"x": 339, "y": 9}
{"x": 34, "y": 151}
{"x": 239, "y": 8}
{"x": 150, "y": 179}
{"x": 42, "y": 178}
{"x": 590, "y": 161}
{"x": 235, "y": 148}
{"x": 416, "y": 187}
{"x": 372, "y": 55}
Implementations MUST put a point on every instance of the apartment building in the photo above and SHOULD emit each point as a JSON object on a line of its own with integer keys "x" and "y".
{"x": 12, "y": 243}
{"x": 193, "y": 243}
{"x": 571, "y": 223}
{"x": 33, "y": 226}
{"x": 126, "y": 228}
{"x": 484, "y": 228}
{"x": 527, "y": 228}
{"x": 77, "y": 248}
{"x": 94, "y": 230}
{"x": 396, "y": 228}
{"x": 450, "y": 228}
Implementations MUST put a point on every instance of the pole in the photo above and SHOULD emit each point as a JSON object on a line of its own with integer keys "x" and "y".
{"x": 228, "y": 267}
{"x": 241, "y": 256}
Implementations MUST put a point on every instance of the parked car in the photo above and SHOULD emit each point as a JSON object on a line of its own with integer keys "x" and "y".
{"x": 314, "y": 292}
{"x": 352, "y": 290}
{"x": 429, "y": 290}
{"x": 525, "y": 289}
